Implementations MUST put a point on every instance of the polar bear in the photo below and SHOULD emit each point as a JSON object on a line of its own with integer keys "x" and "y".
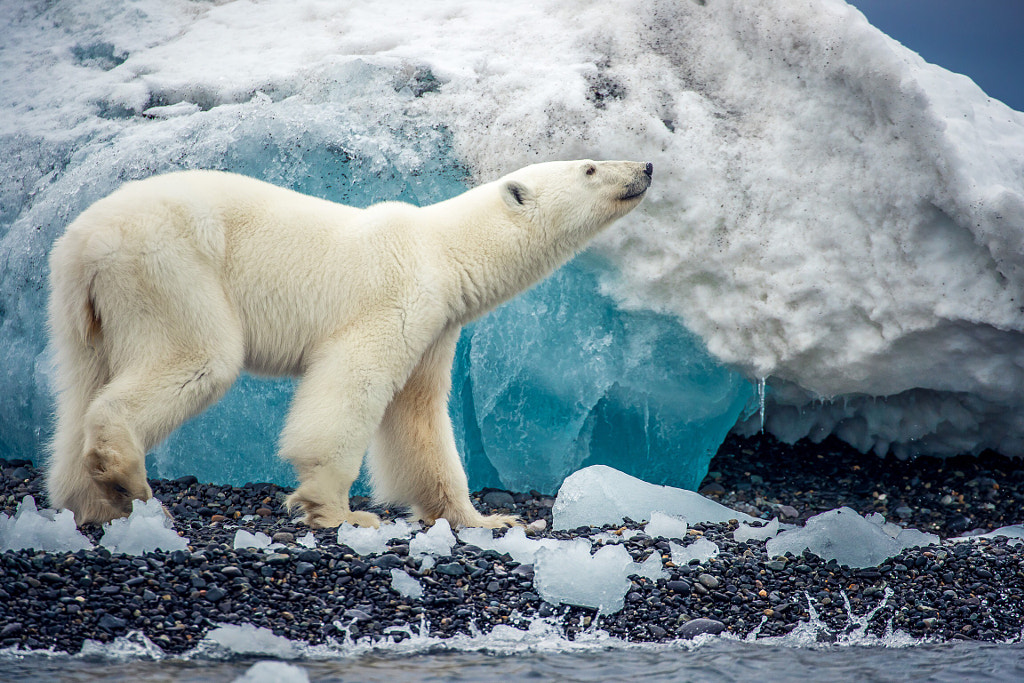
{"x": 164, "y": 291}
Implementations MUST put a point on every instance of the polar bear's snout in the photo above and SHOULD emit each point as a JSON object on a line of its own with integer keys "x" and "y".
{"x": 641, "y": 181}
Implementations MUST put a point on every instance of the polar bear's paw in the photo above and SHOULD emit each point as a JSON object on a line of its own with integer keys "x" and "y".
{"x": 499, "y": 521}
{"x": 485, "y": 521}
{"x": 328, "y": 516}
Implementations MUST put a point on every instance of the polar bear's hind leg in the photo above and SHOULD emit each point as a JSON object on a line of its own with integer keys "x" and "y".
{"x": 167, "y": 347}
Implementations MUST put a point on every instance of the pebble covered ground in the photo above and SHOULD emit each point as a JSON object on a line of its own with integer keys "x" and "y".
{"x": 971, "y": 590}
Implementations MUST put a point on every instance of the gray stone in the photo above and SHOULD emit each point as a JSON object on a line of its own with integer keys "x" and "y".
{"x": 450, "y": 569}
{"x": 708, "y": 581}
{"x": 696, "y": 627}
{"x": 216, "y": 593}
{"x": 500, "y": 499}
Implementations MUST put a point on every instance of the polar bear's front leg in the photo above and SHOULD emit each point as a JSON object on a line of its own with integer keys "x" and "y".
{"x": 413, "y": 459}
{"x": 335, "y": 410}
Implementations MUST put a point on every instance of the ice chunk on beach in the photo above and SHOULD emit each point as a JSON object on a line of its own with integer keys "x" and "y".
{"x": 748, "y": 532}
{"x": 599, "y": 495}
{"x": 514, "y": 542}
{"x": 565, "y": 572}
{"x": 370, "y": 541}
{"x": 569, "y": 574}
{"x": 246, "y": 639}
{"x": 146, "y": 529}
{"x": 846, "y": 537}
{"x": 249, "y": 539}
{"x": 45, "y": 529}
{"x": 700, "y": 550}
{"x": 405, "y": 584}
{"x": 273, "y": 672}
{"x": 436, "y": 541}
{"x": 1014, "y": 533}
{"x": 651, "y": 568}
{"x": 665, "y": 526}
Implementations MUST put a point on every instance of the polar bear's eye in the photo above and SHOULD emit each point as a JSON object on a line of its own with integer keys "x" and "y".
{"x": 591, "y": 170}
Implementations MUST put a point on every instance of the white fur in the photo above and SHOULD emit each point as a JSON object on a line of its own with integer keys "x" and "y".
{"x": 165, "y": 290}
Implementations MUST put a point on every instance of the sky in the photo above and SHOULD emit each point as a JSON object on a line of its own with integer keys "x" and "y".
{"x": 983, "y": 39}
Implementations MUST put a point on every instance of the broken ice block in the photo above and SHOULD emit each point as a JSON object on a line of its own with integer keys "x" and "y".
{"x": 599, "y": 495}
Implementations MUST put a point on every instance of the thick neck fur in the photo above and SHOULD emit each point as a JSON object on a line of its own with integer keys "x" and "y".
{"x": 494, "y": 255}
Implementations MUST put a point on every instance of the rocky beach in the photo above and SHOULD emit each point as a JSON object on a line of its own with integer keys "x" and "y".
{"x": 956, "y": 590}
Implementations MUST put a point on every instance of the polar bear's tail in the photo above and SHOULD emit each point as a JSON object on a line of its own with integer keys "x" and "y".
{"x": 82, "y": 369}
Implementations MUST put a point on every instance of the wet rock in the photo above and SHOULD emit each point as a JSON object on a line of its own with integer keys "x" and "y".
{"x": 696, "y": 627}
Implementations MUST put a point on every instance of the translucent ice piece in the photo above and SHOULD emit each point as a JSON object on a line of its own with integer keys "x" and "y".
{"x": 146, "y": 529}
{"x": 846, "y": 537}
{"x": 600, "y": 495}
{"x": 46, "y": 529}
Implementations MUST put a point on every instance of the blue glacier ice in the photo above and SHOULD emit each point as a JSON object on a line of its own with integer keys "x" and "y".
{"x": 833, "y": 218}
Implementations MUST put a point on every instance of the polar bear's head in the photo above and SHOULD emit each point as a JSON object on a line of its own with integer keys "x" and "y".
{"x": 574, "y": 200}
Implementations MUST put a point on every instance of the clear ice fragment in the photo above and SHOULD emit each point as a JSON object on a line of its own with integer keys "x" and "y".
{"x": 599, "y": 495}
{"x": 146, "y": 529}
{"x": 846, "y": 537}
{"x": 47, "y": 530}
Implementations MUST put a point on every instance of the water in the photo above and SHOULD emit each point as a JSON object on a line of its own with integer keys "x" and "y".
{"x": 709, "y": 659}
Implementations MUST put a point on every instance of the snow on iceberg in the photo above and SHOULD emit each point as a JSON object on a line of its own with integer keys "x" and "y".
{"x": 832, "y": 214}
{"x": 846, "y": 537}
{"x": 599, "y": 495}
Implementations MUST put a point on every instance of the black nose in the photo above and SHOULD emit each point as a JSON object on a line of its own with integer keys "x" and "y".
{"x": 649, "y": 169}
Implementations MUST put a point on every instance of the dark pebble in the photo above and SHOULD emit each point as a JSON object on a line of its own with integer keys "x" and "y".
{"x": 108, "y": 622}
{"x": 696, "y": 627}
{"x": 499, "y": 499}
{"x": 450, "y": 569}
{"x": 215, "y": 594}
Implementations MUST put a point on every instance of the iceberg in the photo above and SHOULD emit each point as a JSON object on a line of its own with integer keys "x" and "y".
{"x": 599, "y": 495}
{"x": 846, "y": 537}
{"x": 833, "y": 217}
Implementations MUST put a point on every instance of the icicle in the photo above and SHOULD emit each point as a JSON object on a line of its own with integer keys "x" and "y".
{"x": 760, "y": 399}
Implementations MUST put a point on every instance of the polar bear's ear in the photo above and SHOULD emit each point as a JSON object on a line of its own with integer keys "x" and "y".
{"x": 515, "y": 194}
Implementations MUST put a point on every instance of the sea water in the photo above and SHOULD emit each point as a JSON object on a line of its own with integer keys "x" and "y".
{"x": 542, "y": 654}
